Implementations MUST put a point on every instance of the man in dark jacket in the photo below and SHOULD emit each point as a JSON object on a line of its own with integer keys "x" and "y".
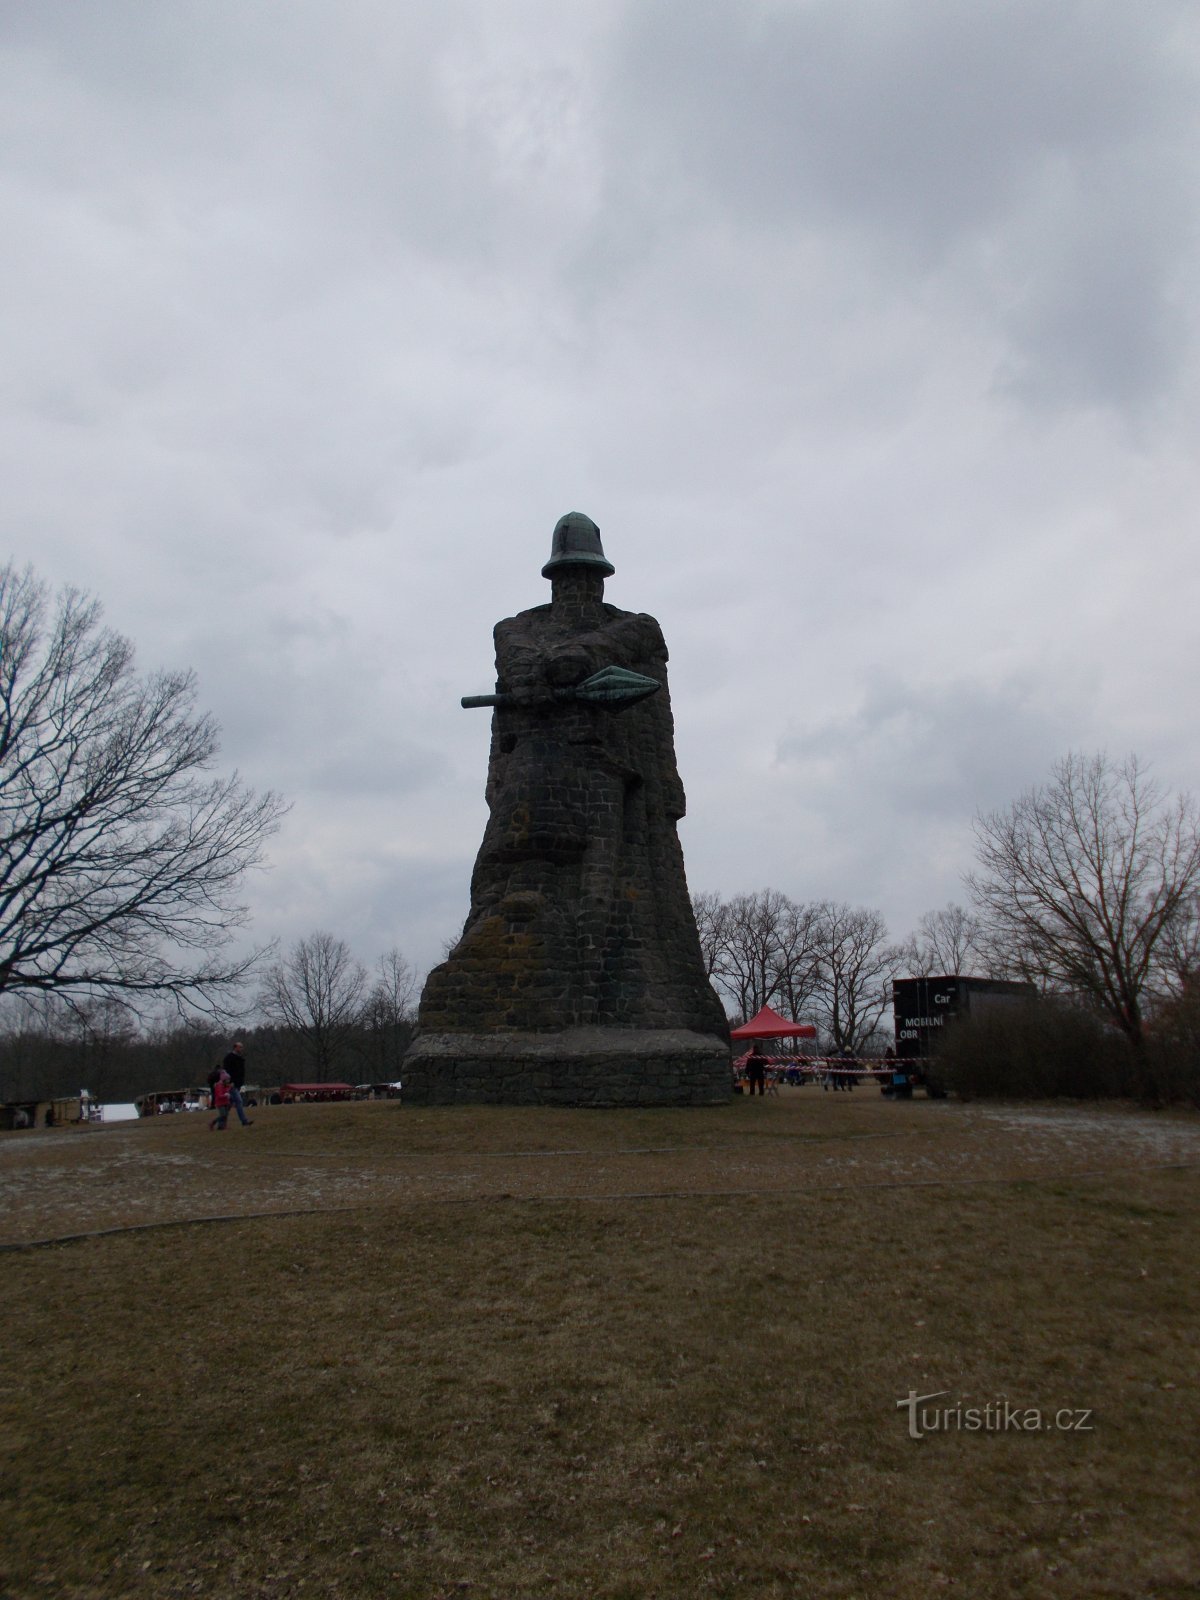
{"x": 756, "y": 1069}
{"x": 235, "y": 1065}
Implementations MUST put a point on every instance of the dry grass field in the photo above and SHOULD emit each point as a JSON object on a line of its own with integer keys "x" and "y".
{"x": 366, "y": 1350}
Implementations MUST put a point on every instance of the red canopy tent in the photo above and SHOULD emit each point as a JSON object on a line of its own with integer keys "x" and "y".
{"x": 769, "y": 1024}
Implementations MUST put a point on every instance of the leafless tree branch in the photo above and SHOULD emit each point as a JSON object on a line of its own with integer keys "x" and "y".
{"x": 120, "y": 860}
{"x": 316, "y": 993}
{"x": 1088, "y": 881}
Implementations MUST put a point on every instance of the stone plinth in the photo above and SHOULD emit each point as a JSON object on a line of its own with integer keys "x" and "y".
{"x": 575, "y": 1067}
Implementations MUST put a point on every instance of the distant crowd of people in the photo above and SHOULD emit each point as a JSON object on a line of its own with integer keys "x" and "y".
{"x": 758, "y": 1073}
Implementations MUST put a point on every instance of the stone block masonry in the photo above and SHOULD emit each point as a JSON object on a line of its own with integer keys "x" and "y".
{"x": 575, "y": 1067}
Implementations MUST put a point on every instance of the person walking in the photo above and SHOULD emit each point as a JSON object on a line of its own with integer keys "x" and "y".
{"x": 221, "y": 1086}
{"x": 235, "y": 1065}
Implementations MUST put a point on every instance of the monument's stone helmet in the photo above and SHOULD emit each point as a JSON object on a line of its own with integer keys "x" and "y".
{"x": 577, "y": 544}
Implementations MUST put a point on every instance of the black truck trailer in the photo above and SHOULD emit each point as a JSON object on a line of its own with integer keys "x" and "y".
{"x": 923, "y": 1008}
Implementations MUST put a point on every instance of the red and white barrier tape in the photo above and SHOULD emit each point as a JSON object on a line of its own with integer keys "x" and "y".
{"x": 827, "y": 1066}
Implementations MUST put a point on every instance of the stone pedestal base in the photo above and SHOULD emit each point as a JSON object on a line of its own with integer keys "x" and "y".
{"x": 577, "y": 1067}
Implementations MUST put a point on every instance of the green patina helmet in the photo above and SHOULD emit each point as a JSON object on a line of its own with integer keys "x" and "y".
{"x": 577, "y": 544}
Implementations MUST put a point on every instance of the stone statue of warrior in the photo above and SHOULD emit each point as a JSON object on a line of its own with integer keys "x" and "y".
{"x": 578, "y": 977}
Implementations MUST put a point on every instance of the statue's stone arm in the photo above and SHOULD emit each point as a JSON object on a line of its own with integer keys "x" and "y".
{"x": 611, "y": 687}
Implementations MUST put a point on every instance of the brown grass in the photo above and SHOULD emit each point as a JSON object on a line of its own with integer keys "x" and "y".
{"x": 525, "y": 1353}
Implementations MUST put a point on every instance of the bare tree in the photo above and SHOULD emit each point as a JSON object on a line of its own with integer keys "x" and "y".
{"x": 397, "y": 987}
{"x": 856, "y": 964}
{"x": 103, "y": 1030}
{"x": 120, "y": 863}
{"x": 765, "y": 949}
{"x": 711, "y": 916}
{"x": 751, "y": 949}
{"x": 1084, "y": 879}
{"x": 388, "y": 1014}
{"x": 798, "y": 963}
{"x": 1180, "y": 954}
{"x": 316, "y": 992}
{"x": 31, "y": 1027}
{"x": 947, "y": 942}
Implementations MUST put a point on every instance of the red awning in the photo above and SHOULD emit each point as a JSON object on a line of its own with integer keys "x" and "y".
{"x": 769, "y": 1024}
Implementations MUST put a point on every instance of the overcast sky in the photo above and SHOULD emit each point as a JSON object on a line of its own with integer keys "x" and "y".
{"x": 865, "y": 329}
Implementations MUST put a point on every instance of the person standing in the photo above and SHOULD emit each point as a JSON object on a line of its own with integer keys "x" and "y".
{"x": 756, "y": 1070}
{"x": 850, "y": 1057}
{"x": 235, "y": 1065}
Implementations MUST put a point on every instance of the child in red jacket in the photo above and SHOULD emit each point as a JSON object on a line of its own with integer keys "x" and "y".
{"x": 220, "y": 1100}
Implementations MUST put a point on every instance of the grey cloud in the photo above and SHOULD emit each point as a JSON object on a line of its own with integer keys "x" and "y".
{"x": 231, "y": 129}
{"x": 382, "y": 902}
{"x": 1044, "y": 154}
{"x": 363, "y": 762}
{"x": 936, "y": 753}
{"x": 927, "y": 117}
{"x": 1106, "y": 316}
{"x": 876, "y": 805}
{"x": 313, "y": 327}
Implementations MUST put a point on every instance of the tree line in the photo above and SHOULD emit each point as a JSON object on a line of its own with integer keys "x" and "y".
{"x": 122, "y": 859}
{"x": 1086, "y": 887}
{"x": 320, "y": 1016}
{"x": 824, "y": 962}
